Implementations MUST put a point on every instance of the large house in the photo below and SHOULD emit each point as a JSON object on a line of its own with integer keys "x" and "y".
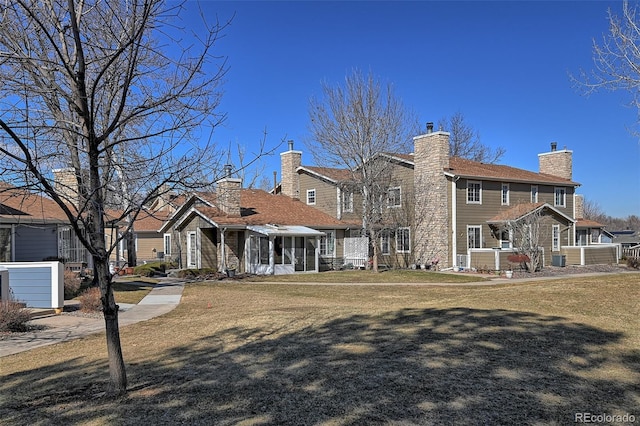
{"x": 455, "y": 212}
{"x": 250, "y": 230}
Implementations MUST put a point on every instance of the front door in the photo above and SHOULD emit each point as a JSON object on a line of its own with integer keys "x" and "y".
{"x": 192, "y": 249}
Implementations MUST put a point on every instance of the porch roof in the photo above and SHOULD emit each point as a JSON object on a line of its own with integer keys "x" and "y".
{"x": 285, "y": 230}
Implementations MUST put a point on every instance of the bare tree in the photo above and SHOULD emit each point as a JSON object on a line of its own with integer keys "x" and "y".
{"x": 92, "y": 86}
{"x": 527, "y": 237}
{"x": 592, "y": 210}
{"x": 349, "y": 126}
{"x": 616, "y": 57}
{"x": 465, "y": 141}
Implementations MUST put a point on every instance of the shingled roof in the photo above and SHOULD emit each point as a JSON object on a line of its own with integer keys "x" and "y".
{"x": 474, "y": 169}
{"x": 258, "y": 207}
{"x": 519, "y": 211}
{"x": 21, "y": 205}
{"x": 457, "y": 167}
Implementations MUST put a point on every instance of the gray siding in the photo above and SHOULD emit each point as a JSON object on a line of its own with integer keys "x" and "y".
{"x": 34, "y": 244}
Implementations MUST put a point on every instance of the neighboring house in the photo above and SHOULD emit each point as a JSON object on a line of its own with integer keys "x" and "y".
{"x": 253, "y": 231}
{"x": 34, "y": 228}
{"x": 451, "y": 211}
{"x": 627, "y": 238}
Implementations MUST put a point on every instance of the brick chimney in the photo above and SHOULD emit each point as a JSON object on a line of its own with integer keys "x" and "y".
{"x": 431, "y": 157}
{"x": 228, "y": 193}
{"x": 557, "y": 163}
{"x": 289, "y": 179}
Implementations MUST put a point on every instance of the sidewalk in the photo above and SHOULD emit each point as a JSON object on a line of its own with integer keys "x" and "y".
{"x": 59, "y": 328}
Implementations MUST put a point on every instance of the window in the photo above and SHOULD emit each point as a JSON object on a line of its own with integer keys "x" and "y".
{"x": 328, "y": 243}
{"x": 394, "y": 197}
{"x": 347, "y": 202}
{"x": 534, "y": 193}
{"x": 311, "y": 196}
{"x": 403, "y": 240}
{"x": 474, "y": 235}
{"x": 595, "y": 235}
{"x": 505, "y": 194}
{"x": 505, "y": 239}
{"x": 191, "y": 249}
{"x": 474, "y": 192}
{"x": 264, "y": 250}
{"x": 167, "y": 244}
{"x": 385, "y": 242}
{"x": 561, "y": 197}
{"x": 555, "y": 243}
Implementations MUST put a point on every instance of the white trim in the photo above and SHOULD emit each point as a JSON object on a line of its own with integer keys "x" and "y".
{"x": 397, "y": 245}
{"x": 564, "y": 196}
{"x": 474, "y": 182}
{"x": 399, "y": 200}
{"x": 536, "y": 193}
{"x": 164, "y": 244}
{"x": 502, "y": 194}
{"x": 192, "y": 259}
{"x": 479, "y": 236}
{"x": 555, "y": 245}
{"x": 315, "y": 195}
{"x": 454, "y": 223}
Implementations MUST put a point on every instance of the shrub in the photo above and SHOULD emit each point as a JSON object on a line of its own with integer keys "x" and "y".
{"x": 633, "y": 262}
{"x": 72, "y": 282}
{"x": 194, "y": 273}
{"x": 150, "y": 269}
{"x": 90, "y": 300}
{"x": 13, "y": 315}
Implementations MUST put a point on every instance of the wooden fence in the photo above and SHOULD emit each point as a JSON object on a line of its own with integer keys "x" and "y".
{"x": 631, "y": 252}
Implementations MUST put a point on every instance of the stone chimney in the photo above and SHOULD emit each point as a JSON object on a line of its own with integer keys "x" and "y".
{"x": 557, "y": 163}
{"x": 431, "y": 234}
{"x": 579, "y": 206}
{"x": 66, "y": 185}
{"x": 289, "y": 179}
{"x": 228, "y": 193}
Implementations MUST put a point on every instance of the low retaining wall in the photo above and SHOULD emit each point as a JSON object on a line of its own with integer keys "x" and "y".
{"x": 37, "y": 284}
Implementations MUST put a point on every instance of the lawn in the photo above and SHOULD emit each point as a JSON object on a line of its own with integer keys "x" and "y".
{"x": 257, "y": 353}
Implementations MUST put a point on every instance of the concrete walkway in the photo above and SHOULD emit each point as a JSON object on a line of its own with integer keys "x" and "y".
{"x": 52, "y": 328}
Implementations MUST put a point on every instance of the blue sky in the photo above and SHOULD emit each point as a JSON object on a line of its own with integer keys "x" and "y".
{"x": 504, "y": 65}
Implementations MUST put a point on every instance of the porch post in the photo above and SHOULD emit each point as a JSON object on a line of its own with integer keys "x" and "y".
{"x": 223, "y": 253}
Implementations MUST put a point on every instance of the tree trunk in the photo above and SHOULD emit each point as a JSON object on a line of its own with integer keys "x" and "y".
{"x": 117, "y": 373}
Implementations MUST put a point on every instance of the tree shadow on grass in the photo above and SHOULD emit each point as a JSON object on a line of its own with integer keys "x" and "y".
{"x": 413, "y": 366}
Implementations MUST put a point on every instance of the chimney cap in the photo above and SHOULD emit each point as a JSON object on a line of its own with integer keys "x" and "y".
{"x": 430, "y": 127}
{"x": 554, "y": 146}
{"x": 290, "y": 142}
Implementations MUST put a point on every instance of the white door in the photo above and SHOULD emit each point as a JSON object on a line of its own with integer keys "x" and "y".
{"x": 192, "y": 249}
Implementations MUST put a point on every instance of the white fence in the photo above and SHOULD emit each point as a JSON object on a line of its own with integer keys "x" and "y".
{"x": 37, "y": 284}
{"x": 356, "y": 251}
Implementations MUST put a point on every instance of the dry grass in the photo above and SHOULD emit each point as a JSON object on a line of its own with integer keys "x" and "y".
{"x": 254, "y": 354}
{"x": 361, "y": 276}
{"x": 131, "y": 291}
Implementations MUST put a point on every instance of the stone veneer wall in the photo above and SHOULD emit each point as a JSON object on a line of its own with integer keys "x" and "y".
{"x": 557, "y": 163}
{"x": 431, "y": 230}
{"x": 289, "y": 180}
{"x": 579, "y": 206}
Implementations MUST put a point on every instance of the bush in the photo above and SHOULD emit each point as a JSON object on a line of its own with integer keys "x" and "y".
{"x": 90, "y": 300}
{"x": 13, "y": 315}
{"x": 72, "y": 282}
{"x": 633, "y": 262}
{"x": 150, "y": 269}
{"x": 194, "y": 273}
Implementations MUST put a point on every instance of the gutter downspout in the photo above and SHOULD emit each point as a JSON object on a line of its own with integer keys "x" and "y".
{"x": 454, "y": 223}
